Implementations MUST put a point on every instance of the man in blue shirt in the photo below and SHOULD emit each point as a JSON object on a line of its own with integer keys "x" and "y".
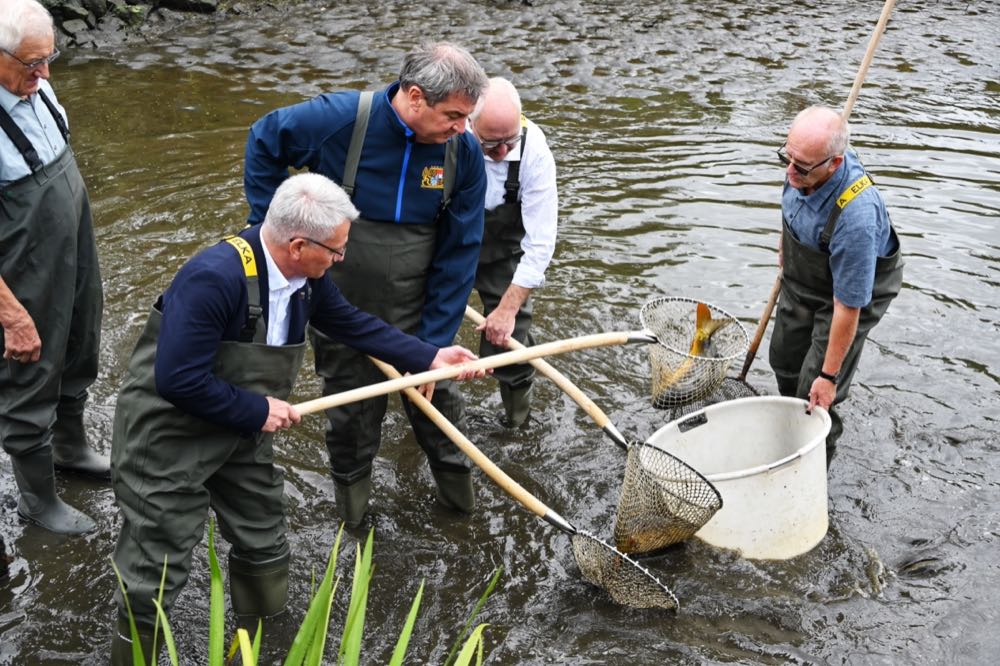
{"x": 840, "y": 261}
{"x": 50, "y": 284}
{"x": 206, "y": 389}
{"x": 419, "y": 183}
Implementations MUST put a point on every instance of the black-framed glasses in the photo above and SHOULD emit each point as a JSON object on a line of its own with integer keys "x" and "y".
{"x": 511, "y": 143}
{"x": 802, "y": 171}
{"x": 332, "y": 250}
{"x": 34, "y": 64}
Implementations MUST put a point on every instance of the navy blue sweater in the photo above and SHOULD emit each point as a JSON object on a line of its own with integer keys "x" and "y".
{"x": 390, "y": 187}
{"x": 207, "y": 304}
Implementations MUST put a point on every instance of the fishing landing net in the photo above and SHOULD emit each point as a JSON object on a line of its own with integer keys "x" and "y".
{"x": 628, "y": 582}
{"x": 682, "y": 374}
{"x": 663, "y": 501}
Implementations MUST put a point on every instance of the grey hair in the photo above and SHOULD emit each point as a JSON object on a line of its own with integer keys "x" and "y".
{"x": 23, "y": 18}
{"x": 308, "y": 204}
{"x": 840, "y": 136}
{"x": 504, "y": 86}
{"x": 441, "y": 69}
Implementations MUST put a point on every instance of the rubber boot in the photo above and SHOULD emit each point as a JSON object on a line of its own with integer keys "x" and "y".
{"x": 516, "y": 404}
{"x": 352, "y": 500}
{"x": 39, "y": 503}
{"x": 70, "y": 450}
{"x": 454, "y": 490}
{"x": 121, "y": 644}
{"x": 258, "y": 591}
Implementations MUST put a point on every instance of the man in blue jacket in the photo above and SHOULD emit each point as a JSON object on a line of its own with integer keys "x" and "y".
{"x": 418, "y": 180}
{"x": 206, "y": 390}
{"x": 840, "y": 259}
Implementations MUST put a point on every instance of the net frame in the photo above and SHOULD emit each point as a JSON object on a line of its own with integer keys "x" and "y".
{"x": 677, "y": 376}
{"x": 625, "y": 580}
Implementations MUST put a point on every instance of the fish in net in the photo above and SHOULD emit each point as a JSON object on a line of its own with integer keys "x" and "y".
{"x": 694, "y": 352}
{"x": 663, "y": 501}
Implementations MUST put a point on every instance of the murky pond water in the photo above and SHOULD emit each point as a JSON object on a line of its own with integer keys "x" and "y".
{"x": 663, "y": 118}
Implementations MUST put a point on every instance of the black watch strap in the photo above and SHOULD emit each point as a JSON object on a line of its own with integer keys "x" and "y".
{"x": 828, "y": 377}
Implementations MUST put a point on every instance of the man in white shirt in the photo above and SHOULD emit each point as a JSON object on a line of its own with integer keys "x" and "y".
{"x": 520, "y": 233}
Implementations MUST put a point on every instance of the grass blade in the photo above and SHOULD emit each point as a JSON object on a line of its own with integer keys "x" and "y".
{"x": 168, "y": 637}
{"x": 403, "y": 642}
{"x": 473, "y": 647}
{"x": 350, "y": 644}
{"x": 247, "y": 652}
{"x": 216, "y": 605}
{"x": 137, "y": 658}
{"x": 475, "y": 612}
{"x": 310, "y": 627}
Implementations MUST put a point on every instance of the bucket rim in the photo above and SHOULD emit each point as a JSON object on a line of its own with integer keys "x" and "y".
{"x": 766, "y": 467}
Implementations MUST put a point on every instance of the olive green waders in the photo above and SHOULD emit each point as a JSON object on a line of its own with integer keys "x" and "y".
{"x": 385, "y": 273}
{"x": 48, "y": 258}
{"x": 169, "y": 467}
{"x": 498, "y": 259}
{"x": 805, "y": 314}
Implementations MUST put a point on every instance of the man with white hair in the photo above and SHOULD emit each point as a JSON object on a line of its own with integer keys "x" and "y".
{"x": 519, "y": 237}
{"x": 206, "y": 389}
{"x": 50, "y": 284}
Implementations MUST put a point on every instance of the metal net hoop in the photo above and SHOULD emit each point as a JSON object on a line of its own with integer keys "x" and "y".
{"x": 628, "y": 582}
{"x": 663, "y": 501}
{"x": 679, "y": 377}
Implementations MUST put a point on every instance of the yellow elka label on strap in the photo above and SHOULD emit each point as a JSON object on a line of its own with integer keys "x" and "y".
{"x": 856, "y": 188}
{"x": 246, "y": 254}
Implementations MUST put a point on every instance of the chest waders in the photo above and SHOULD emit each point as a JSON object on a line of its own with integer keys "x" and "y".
{"x": 805, "y": 313}
{"x": 498, "y": 259}
{"x": 48, "y": 258}
{"x": 171, "y": 466}
{"x": 385, "y": 273}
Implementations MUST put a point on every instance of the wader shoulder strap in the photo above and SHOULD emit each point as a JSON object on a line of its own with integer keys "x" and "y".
{"x": 512, "y": 186}
{"x": 56, "y": 116}
{"x": 357, "y": 141}
{"x": 450, "y": 167}
{"x": 20, "y": 141}
{"x": 846, "y": 197}
{"x": 254, "y": 311}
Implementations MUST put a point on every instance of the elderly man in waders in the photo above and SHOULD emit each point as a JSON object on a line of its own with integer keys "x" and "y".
{"x": 418, "y": 180}
{"x": 50, "y": 284}
{"x": 841, "y": 264}
{"x": 519, "y": 235}
{"x": 206, "y": 389}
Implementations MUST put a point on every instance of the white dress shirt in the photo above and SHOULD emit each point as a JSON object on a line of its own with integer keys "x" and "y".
{"x": 539, "y": 203}
{"x": 279, "y": 294}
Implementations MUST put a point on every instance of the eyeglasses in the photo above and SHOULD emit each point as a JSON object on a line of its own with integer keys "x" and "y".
{"x": 511, "y": 143}
{"x": 332, "y": 250}
{"x": 802, "y": 171}
{"x": 34, "y": 64}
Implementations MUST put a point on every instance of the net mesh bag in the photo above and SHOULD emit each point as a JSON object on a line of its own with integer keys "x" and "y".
{"x": 627, "y": 581}
{"x": 663, "y": 501}
{"x": 681, "y": 374}
{"x": 731, "y": 388}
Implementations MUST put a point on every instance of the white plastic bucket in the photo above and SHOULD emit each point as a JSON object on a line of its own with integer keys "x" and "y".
{"x": 767, "y": 458}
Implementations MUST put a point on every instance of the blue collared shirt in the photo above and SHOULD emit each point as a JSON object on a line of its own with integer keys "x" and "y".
{"x": 861, "y": 236}
{"x": 38, "y": 125}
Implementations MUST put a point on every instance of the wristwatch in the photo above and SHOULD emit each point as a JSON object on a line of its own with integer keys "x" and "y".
{"x": 830, "y": 378}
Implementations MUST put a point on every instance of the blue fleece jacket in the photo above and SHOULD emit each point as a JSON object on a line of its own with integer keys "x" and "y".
{"x": 397, "y": 183}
